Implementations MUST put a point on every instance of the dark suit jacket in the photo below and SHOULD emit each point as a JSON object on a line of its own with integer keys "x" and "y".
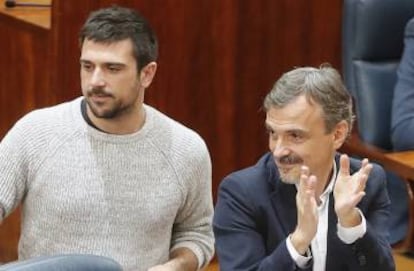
{"x": 402, "y": 122}
{"x": 255, "y": 212}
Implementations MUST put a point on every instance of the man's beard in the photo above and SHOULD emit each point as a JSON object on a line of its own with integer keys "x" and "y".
{"x": 289, "y": 168}
{"x": 110, "y": 113}
{"x": 116, "y": 109}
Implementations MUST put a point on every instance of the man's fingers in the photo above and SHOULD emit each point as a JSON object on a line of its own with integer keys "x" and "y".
{"x": 304, "y": 175}
{"x": 344, "y": 165}
{"x": 364, "y": 162}
{"x": 362, "y": 182}
{"x": 362, "y": 175}
{"x": 357, "y": 198}
{"x": 307, "y": 187}
{"x": 366, "y": 168}
{"x": 311, "y": 183}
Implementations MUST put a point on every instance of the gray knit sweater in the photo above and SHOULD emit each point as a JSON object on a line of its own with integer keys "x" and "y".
{"x": 132, "y": 197}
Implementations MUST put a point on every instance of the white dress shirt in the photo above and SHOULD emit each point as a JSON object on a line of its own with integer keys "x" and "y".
{"x": 319, "y": 242}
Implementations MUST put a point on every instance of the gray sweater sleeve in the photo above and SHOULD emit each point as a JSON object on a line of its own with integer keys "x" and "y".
{"x": 193, "y": 227}
{"x": 13, "y": 168}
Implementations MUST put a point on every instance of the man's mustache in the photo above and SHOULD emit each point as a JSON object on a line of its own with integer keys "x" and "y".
{"x": 289, "y": 159}
{"x": 98, "y": 92}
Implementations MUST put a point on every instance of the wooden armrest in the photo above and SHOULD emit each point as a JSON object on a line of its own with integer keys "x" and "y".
{"x": 401, "y": 163}
{"x": 9, "y": 237}
{"x": 213, "y": 265}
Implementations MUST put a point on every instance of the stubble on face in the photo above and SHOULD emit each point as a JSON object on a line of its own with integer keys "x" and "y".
{"x": 104, "y": 105}
{"x": 289, "y": 167}
{"x": 97, "y": 99}
{"x": 110, "y": 83}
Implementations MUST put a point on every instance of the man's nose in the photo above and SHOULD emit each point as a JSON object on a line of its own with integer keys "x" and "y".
{"x": 280, "y": 149}
{"x": 97, "y": 78}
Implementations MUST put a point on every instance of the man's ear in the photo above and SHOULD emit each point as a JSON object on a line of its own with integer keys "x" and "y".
{"x": 147, "y": 73}
{"x": 340, "y": 133}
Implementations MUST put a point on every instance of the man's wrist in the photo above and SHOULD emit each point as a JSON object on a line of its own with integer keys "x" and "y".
{"x": 300, "y": 244}
{"x": 351, "y": 219}
{"x": 183, "y": 259}
{"x": 302, "y": 261}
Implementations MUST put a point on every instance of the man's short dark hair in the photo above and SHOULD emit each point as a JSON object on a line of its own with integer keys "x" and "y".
{"x": 116, "y": 23}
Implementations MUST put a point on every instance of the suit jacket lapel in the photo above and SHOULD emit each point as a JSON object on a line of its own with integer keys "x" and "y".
{"x": 283, "y": 198}
{"x": 284, "y": 203}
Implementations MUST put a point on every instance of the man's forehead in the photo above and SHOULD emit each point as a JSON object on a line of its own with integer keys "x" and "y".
{"x": 118, "y": 47}
{"x": 294, "y": 117}
{"x": 108, "y": 53}
{"x": 285, "y": 127}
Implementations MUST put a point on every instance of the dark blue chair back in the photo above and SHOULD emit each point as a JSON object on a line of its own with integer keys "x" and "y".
{"x": 372, "y": 45}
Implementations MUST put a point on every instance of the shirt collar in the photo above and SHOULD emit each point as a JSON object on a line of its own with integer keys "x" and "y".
{"x": 325, "y": 195}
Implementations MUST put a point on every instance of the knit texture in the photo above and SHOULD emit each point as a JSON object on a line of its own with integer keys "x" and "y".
{"x": 133, "y": 198}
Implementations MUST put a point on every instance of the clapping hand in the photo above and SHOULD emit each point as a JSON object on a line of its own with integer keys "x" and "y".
{"x": 349, "y": 190}
{"x": 307, "y": 212}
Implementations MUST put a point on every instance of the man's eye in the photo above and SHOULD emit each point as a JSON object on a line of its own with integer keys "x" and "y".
{"x": 86, "y": 66}
{"x": 296, "y": 136}
{"x": 114, "y": 68}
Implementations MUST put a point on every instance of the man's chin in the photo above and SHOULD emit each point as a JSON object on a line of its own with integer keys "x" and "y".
{"x": 288, "y": 180}
{"x": 290, "y": 175}
{"x": 102, "y": 113}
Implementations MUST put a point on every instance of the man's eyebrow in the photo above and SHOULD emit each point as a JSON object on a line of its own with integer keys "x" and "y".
{"x": 105, "y": 63}
{"x": 267, "y": 126}
{"x": 290, "y": 130}
{"x": 115, "y": 63}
